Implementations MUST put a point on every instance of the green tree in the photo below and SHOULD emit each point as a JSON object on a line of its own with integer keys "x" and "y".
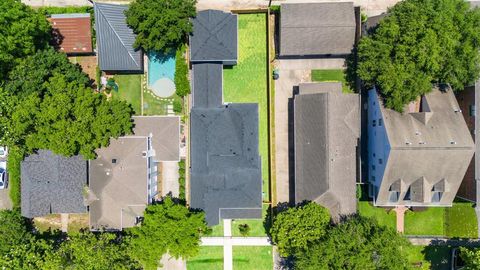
{"x": 421, "y": 42}
{"x": 91, "y": 251}
{"x": 359, "y": 243}
{"x": 13, "y": 230}
{"x": 296, "y": 228}
{"x": 471, "y": 257}
{"x": 23, "y": 32}
{"x": 160, "y": 25}
{"x": 182, "y": 84}
{"x": 167, "y": 227}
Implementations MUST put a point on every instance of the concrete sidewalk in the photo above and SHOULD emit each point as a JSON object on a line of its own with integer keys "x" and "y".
{"x": 442, "y": 241}
{"x": 235, "y": 241}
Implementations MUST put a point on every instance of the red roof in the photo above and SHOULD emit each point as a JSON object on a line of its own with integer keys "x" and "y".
{"x": 72, "y": 33}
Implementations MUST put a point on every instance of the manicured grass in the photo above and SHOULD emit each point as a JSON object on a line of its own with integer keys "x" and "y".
{"x": 258, "y": 258}
{"x": 210, "y": 258}
{"x": 331, "y": 75}
{"x": 380, "y": 214}
{"x": 430, "y": 257}
{"x": 129, "y": 89}
{"x": 461, "y": 220}
{"x": 427, "y": 222}
{"x": 153, "y": 106}
{"x": 246, "y": 82}
{"x": 256, "y": 225}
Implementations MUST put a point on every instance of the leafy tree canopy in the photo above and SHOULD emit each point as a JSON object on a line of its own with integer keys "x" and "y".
{"x": 23, "y": 31}
{"x": 471, "y": 257}
{"x": 296, "y": 228}
{"x": 167, "y": 227}
{"x": 359, "y": 243}
{"x": 421, "y": 42}
{"x": 89, "y": 251}
{"x": 160, "y": 25}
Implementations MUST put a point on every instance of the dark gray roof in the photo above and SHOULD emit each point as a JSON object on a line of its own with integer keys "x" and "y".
{"x": 115, "y": 40}
{"x": 317, "y": 29}
{"x": 214, "y": 37}
{"x": 207, "y": 85}
{"x": 52, "y": 184}
{"x": 226, "y": 178}
{"x": 327, "y": 127}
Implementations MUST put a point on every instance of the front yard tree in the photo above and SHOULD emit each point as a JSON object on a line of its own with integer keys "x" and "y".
{"x": 23, "y": 32}
{"x": 359, "y": 243}
{"x": 421, "y": 42}
{"x": 296, "y": 228}
{"x": 471, "y": 257}
{"x": 160, "y": 25}
{"x": 167, "y": 227}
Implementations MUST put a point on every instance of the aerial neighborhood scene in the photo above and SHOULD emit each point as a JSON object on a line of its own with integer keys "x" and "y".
{"x": 239, "y": 134}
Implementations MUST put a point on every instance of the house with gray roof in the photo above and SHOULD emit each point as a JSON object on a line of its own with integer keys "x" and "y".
{"x": 115, "y": 40}
{"x": 124, "y": 176}
{"x": 52, "y": 184}
{"x": 214, "y": 38}
{"x": 317, "y": 29}
{"x": 326, "y": 136}
{"x": 225, "y": 179}
{"x": 418, "y": 157}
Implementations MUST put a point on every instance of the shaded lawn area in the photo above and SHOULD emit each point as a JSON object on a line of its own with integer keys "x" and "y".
{"x": 129, "y": 89}
{"x": 209, "y": 258}
{"x": 256, "y": 226}
{"x": 425, "y": 222}
{"x": 380, "y": 214}
{"x": 430, "y": 257}
{"x": 331, "y": 75}
{"x": 246, "y": 82}
{"x": 258, "y": 258}
{"x": 461, "y": 220}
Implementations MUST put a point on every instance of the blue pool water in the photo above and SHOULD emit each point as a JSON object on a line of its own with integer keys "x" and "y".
{"x": 160, "y": 66}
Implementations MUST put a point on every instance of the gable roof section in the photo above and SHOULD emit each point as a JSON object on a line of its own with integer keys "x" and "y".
{"x": 317, "y": 29}
{"x": 208, "y": 85}
{"x": 52, "y": 184}
{"x": 72, "y": 32}
{"x": 115, "y": 40}
{"x": 226, "y": 169}
{"x": 326, "y": 127}
{"x": 214, "y": 37}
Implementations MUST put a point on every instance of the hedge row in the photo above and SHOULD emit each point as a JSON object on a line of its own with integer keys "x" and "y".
{"x": 15, "y": 157}
{"x": 182, "y": 84}
{"x": 181, "y": 179}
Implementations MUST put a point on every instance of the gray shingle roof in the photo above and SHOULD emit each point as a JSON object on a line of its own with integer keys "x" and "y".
{"x": 317, "y": 29}
{"x": 52, "y": 184}
{"x": 225, "y": 169}
{"x": 326, "y": 127}
{"x": 214, "y": 37}
{"x": 207, "y": 82}
{"x": 115, "y": 40}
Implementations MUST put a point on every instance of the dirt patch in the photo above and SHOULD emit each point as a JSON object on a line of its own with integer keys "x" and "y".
{"x": 76, "y": 222}
{"x": 50, "y": 222}
{"x": 88, "y": 64}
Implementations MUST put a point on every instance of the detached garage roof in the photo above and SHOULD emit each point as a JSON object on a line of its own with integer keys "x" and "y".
{"x": 72, "y": 33}
{"x": 115, "y": 40}
{"x": 317, "y": 29}
{"x": 52, "y": 184}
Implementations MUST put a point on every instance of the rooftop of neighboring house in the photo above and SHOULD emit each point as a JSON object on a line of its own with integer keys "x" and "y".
{"x": 72, "y": 33}
{"x": 310, "y": 29}
{"x": 123, "y": 177}
{"x": 115, "y": 40}
{"x": 214, "y": 38}
{"x": 326, "y": 132}
{"x": 52, "y": 184}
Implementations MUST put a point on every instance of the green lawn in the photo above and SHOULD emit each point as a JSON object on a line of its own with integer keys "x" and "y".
{"x": 461, "y": 220}
{"x": 247, "y": 81}
{"x": 427, "y": 222}
{"x": 380, "y": 214}
{"x": 256, "y": 226}
{"x": 252, "y": 258}
{"x": 129, "y": 89}
{"x": 331, "y": 75}
{"x": 210, "y": 258}
{"x": 430, "y": 257}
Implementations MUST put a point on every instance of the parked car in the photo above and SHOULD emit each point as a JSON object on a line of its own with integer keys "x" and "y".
{"x": 3, "y": 151}
{"x": 3, "y": 175}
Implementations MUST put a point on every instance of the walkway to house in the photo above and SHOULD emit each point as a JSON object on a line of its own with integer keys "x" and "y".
{"x": 442, "y": 241}
{"x": 227, "y": 241}
{"x": 64, "y": 222}
{"x": 400, "y": 214}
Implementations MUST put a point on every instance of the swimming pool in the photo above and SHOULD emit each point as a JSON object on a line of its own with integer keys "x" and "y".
{"x": 161, "y": 74}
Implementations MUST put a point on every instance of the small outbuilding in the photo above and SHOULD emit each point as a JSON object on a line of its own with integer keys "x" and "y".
{"x": 72, "y": 33}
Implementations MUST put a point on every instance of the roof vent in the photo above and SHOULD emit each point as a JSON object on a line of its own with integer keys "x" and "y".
{"x": 144, "y": 154}
{"x": 418, "y": 133}
{"x": 422, "y": 143}
{"x": 408, "y": 143}
{"x": 114, "y": 160}
{"x": 457, "y": 110}
{"x": 453, "y": 142}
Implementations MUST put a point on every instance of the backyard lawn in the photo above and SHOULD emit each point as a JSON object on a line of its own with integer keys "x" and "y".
{"x": 331, "y": 75}
{"x": 244, "y": 258}
{"x": 430, "y": 257}
{"x": 129, "y": 89}
{"x": 382, "y": 216}
{"x": 246, "y": 82}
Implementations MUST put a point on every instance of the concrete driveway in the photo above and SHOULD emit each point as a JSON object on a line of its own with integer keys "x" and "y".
{"x": 5, "y": 202}
{"x": 170, "y": 178}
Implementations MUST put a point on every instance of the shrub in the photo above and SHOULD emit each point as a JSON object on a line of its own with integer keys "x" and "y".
{"x": 15, "y": 157}
{"x": 182, "y": 83}
{"x": 244, "y": 229}
{"x": 181, "y": 179}
{"x": 177, "y": 106}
